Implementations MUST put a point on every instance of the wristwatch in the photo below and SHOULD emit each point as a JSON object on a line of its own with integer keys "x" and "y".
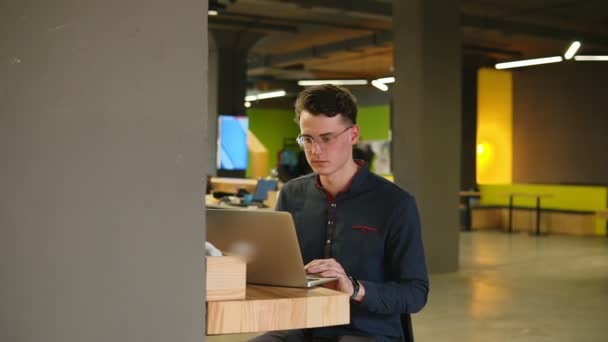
{"x": 355, "y": 287}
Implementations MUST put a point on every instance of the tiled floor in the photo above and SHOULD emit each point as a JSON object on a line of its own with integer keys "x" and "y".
{"x": 516, "y": 288}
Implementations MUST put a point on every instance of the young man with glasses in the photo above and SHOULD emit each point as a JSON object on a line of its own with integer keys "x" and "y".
{"x": 353, "y": 225}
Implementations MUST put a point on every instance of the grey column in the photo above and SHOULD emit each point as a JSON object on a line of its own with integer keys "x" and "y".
{"x": 233, "y": 47}
{"x": 212, "y": 106}
{"x": 102, "y": 107}
{"x": 426, "y": 119}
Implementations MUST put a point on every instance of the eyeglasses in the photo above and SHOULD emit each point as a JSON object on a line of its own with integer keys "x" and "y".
{"x": 306, "y": 141}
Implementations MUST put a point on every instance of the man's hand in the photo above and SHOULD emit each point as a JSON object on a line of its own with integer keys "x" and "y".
{"x": 331, "y": 268}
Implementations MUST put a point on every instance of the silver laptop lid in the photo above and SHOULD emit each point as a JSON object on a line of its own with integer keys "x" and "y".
{"x": 268, "y": 240}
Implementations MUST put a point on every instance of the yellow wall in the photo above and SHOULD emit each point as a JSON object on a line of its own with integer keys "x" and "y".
{"x": 494, "y": 126}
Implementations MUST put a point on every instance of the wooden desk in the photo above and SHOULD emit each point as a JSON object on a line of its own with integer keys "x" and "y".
{"x": 269, "y": 308}
{"x": 467, "y": 195}
{"x": 233, "y": 184}
{"x": 524, "y": 194}
{"x": 604, "y": 214}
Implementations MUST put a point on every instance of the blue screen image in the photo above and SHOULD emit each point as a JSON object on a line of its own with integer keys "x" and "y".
{"x": 232, "y": 142}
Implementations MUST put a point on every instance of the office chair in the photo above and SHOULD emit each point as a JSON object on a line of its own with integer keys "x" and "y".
{"x": 406, "y": 325}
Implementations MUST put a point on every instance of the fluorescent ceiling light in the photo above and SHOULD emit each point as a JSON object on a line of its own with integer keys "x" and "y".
{"x": 271, "y": 94}
{"x": 572, "y": 50}
{"x": 268, "y": 95}
{"x": 591, "y": 58}
{"x": 528, "y": 62}
{"x": 212, "y": 12}
{"x": 379, "y": 85}
{"x": 386, "y": 80}
{"x": 307, "y": 83}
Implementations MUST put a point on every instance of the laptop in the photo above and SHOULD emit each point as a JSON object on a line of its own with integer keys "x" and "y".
{"x": 268, "y": 241}
{"x": 262, "y": 188}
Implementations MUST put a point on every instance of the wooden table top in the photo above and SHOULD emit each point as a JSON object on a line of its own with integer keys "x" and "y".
{"x": 268, "y": 308}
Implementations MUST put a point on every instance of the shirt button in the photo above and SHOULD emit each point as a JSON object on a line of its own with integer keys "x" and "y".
{"x": 333, "y": 205}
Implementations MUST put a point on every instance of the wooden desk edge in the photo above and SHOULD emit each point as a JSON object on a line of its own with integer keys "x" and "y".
{"x": 288, "y": 308}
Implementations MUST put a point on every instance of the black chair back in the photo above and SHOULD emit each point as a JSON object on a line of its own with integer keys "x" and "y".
{"x": 408, "y": 330}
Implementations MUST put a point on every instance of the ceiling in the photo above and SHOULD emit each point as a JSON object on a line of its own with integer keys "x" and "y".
{"x": 353, "y": 39}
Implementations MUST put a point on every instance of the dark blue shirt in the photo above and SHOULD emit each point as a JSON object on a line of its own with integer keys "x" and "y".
{"x": 373, "y": 230}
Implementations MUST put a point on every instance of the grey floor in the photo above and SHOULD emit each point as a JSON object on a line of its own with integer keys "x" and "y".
{"x": 516, "y": 288}
{"x": 520, "y": 288}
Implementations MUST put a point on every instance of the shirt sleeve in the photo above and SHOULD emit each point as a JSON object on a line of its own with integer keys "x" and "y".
{"x": 407, "y": 287}
{"x": 282, "y": 200}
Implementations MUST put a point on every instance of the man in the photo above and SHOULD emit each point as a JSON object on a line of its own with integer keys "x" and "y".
{"x": 352, "y": 224}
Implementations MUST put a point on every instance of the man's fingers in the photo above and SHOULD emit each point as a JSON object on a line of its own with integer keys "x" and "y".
{"x": 322, "y": 265}
{"x": 314, "y": 263}
{"x": 332, "y": 274}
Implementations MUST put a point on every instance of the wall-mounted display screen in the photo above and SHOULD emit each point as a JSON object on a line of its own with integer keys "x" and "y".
{"x": 232, "y": 142}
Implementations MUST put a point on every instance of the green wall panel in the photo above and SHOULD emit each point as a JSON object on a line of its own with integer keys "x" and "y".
{"x": 272, "y": 126}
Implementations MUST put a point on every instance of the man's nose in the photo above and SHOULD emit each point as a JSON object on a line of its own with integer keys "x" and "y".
{"x": 316, "y": 147}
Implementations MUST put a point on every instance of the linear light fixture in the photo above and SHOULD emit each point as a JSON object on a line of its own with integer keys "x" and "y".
{"x": 212, "y": 12}
{"x": 386, "y": 80}
{"x": 268, "y": 95}
{"x": 591, "y": 58}
{"x": 528, "y": 62}
{"x": 308, "y": 83}
{"x": 379, "y": 85}
{"x": 572, "y": 50}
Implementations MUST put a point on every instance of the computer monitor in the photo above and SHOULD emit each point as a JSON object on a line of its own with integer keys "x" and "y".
{"x": 232, "y": 153}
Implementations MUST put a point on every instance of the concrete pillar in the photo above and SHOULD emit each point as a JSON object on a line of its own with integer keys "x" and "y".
{"x": 102, "y": 107}
{"x": 233, "y": 47}
{"x": 468, "y": 157}
{"x": 426, "y": 119}
{"x": 212, "y": 106}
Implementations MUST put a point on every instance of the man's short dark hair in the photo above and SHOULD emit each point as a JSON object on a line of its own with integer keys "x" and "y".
{"x": 328, "y": 100}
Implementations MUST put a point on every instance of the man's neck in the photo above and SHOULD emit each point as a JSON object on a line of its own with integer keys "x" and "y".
{"x": 338, "y": 181}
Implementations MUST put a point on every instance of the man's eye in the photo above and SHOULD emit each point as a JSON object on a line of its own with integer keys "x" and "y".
{"x": 326, "y": 139}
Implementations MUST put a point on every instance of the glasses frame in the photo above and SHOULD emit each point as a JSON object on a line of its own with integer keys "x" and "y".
{"x": 319, "y": 140}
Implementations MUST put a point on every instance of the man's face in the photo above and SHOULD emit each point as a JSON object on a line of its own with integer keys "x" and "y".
{"x": 333, "y": 139}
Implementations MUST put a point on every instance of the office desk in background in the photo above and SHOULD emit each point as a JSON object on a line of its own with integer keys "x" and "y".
{"x": 467, "y": 195}
{"x": 538, "y": 197}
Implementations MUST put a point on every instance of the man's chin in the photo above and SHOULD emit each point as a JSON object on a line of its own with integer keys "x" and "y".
{"x": 320, "y": 168}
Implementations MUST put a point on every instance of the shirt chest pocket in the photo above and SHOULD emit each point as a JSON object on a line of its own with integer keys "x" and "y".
{"x": 364, "y": 239}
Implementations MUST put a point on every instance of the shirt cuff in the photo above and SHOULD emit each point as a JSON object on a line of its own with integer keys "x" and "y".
{"x": 371, "y": 295}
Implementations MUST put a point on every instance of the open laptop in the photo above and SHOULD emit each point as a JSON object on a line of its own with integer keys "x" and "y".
{"x": 262, "y": 188}
{"x": 267, "y": 239}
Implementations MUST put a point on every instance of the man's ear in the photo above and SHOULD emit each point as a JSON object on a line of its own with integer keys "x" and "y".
{"x": 354, "y": 134}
